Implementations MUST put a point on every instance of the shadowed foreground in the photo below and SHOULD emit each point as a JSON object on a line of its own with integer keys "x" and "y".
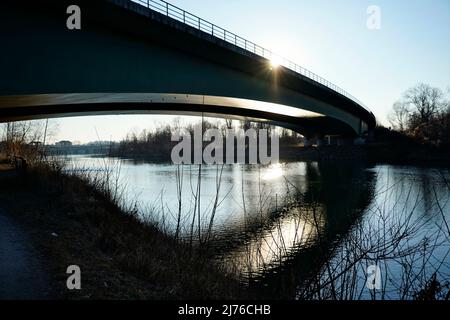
{"x": 120, "y": 257}
{"x": 21, "y": 273}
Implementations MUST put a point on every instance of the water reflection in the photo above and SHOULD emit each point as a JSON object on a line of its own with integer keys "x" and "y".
{"x": 273, "y": 245}
{"x": 278, "y": 225}
{"x": 332, "y": 199}
{"x": 272, "y": 172}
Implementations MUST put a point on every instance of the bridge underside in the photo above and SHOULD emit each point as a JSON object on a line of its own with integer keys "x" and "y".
{"x": 134, "y": 61}
{"x": 31, "y": 107}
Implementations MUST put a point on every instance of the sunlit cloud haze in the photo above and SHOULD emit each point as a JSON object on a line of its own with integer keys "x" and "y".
{"x": 328, "y": 37}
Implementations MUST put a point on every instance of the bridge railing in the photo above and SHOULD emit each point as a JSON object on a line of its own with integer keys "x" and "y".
{"x": 194, "y": 21}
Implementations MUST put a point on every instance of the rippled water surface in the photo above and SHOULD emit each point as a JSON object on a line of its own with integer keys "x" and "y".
{"x": 265, "y": 221}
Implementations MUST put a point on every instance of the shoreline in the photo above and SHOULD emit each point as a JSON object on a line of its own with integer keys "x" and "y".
{"x": 120, "y": 256}
{"x": 371, "y": 154}
{"x": 74, "y": 221}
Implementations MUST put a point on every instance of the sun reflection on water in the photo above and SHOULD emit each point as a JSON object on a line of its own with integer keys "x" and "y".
{"x": 270, "y": 247}
{"x": 274, "y": 171}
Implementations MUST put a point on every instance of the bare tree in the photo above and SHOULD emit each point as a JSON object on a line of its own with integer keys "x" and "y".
{"x": 18, "y": 136}
{"x": 425, "y": 102}
{"x": 424, "y": 113}
{"x": 399, "y": 116}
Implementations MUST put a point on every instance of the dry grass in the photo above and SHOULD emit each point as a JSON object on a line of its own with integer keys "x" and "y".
{"x": 120, "y": 256}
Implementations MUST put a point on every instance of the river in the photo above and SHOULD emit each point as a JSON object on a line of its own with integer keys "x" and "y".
{"x": 279, "y": 224}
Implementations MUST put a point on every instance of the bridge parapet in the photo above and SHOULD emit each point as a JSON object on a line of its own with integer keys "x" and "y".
{"x": 238, "y": 43}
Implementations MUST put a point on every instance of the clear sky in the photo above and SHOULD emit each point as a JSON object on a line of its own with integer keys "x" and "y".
{"x": 328, "y": 37}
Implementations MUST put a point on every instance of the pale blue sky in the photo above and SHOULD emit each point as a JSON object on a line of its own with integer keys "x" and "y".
{"x": 331, "y": 39}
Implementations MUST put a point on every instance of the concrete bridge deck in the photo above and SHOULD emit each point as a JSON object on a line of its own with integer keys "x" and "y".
{"x": 128, "y": 58}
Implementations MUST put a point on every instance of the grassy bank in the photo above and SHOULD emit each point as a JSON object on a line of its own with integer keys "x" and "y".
{"x": 80, "y": 220}
{"x": 73, "y": 222}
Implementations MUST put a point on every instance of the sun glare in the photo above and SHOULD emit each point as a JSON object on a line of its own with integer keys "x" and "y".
{"x": 275, "y": 62}
{"x": 273, "y": 172}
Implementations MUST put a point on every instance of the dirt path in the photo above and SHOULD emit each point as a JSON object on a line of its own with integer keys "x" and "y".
{"x": 21, "y": 273}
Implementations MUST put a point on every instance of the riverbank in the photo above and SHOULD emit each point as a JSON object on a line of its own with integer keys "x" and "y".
{"x": 120, "y": 257}
{"x": 373, "y": 153}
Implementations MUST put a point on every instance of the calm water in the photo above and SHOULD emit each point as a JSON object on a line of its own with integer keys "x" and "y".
{"x": 278, "y": 224}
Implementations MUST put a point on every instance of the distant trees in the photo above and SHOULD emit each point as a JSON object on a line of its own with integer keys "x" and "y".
{"x": 424, "y": 113}
{"x": 18, "y": 138}
{"x": 156, "y": 145}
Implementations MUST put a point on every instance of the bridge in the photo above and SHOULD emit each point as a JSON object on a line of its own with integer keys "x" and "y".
{"x": 152, "y": 57}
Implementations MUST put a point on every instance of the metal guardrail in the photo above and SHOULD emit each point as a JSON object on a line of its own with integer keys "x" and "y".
{"x": 194, "y": 21}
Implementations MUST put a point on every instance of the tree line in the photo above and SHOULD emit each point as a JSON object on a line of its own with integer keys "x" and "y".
{"x": 157, "y": 144}
{"x": 423, "y": 113}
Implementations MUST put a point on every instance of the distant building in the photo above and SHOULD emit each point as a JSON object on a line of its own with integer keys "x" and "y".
{"x": 35, "y": 144}
{"x": 63, "y": 144}
{"x": 99, "y": 143}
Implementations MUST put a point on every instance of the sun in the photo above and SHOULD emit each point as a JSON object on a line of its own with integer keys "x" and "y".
{"x": 275, "y": 62}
